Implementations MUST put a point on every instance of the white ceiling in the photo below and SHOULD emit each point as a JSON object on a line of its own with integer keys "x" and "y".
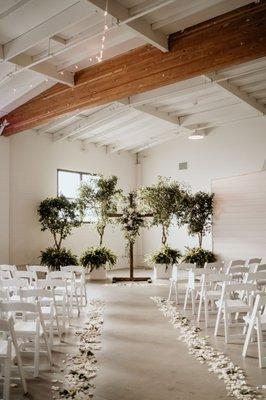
{"x": 44, "y": 42}
{"x": 154, "y": 117}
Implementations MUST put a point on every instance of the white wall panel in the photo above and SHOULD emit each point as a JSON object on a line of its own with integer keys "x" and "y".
{"x": 240, "y": 216}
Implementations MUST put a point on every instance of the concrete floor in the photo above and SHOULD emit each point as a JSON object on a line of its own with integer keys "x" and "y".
{"x": 141, "y": 358}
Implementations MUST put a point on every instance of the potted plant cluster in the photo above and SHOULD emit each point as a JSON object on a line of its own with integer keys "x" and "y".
{"x": 162, "y": 201}
{"x": 102, "y": 200}
{"x": 162, "y": 260}
{"x": 96, "y": 259}
{"x": 197, "y": 214}
{"x": 59, "y": 216}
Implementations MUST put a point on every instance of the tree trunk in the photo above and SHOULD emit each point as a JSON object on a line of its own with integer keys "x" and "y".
{"x": 164, "y": 235}
{"x": 200, "y": 239}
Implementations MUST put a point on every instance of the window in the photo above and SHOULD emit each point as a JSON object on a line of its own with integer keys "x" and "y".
{"x": 68, "y": 183}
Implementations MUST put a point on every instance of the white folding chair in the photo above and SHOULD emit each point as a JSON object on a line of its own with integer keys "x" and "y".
{"x": 14, "y": 285}
{"x": 210, "y": 291}
{"x": 252, "y": 264}
{"x": 193, "y": 286}
{"x": 80, "y": 281}
{"x": 230, "y": 303}
{"x": 261, "y": 267}
{"x": 46, "y": 299}
{"x": 31, "y": 276}
{"x": 40, "y": 270}
{"x": 10, "y": 356}
{"x": 179, "y": 276}
{"x": 216, "y": 266}
{"x": 29, "y": 327}
{"x": 5, "y": 275}
{"x": 69, "y": 278}
{"x": 256, "y": 322}
{"x": 9, "y": 268}
{"x": 234, "y": 263}
{"x": 60, "y": 299}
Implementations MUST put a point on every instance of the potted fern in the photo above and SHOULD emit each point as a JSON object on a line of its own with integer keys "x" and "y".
{"x": 163, "y": 260}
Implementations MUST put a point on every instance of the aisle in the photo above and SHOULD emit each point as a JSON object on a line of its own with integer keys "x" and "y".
{"x": 141, "y": 358}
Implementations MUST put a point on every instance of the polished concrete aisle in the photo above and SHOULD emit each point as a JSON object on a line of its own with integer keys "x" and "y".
{"x": 141, "y": 358}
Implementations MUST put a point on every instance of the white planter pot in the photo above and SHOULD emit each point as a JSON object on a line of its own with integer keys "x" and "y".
{"x": 98, "y": 274}
{"x": 160, "y": 271}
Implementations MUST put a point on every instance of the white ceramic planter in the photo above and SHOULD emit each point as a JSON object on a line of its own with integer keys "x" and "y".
{"x": 160, "y": 272}
{"x": 98, "y": 274}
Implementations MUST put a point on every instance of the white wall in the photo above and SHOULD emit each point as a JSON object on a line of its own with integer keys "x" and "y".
{"x": 227, "y": 151}
{"x": 4, "y": 200}
{"x": 28, "y": 174}
{"x": 34, "y": 161}
{"x": 240, "y": 216}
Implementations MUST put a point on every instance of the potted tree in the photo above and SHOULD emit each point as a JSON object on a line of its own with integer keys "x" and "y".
{"x": 162, "y": 200}
{"x": 102, "y": 201}
{"x": 58, "y": 215}
{"x": 197, "y": 214}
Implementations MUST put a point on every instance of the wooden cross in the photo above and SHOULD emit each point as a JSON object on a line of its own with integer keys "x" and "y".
{"x": 131, "y": 251}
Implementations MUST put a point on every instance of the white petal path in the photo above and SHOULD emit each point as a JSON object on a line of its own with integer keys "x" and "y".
{"x": 80, "y": 368}
{"x": 218, "y": 363}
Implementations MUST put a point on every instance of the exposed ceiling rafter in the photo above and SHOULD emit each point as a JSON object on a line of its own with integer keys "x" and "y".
{"x": 244, "y": 97}
{"x": 138, "y": 25}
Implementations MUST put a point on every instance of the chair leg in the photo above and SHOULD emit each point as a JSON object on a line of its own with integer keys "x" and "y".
{"x": 248, "y": 337}
{"x": 7, "y": 372}
{"x": 200, "y": 305}
{"x": 49, "y": 354}
{"x": 85, "y": 292}
{"x": 217, "y": 321}
{"x": 37, "y": 354}
{"x": 193, "y": 301}
{"x": 186, "y": 298}
{"x": 206, "y": 311}
{"x": 260, "y": 344}
{"x": 176, "y": 295}
{"x": 170, "y": 290}
{"x": 226, "y": 327}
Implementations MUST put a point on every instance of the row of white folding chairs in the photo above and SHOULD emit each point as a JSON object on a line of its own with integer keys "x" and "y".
{"x": 60, "y": 282}
{"x": 23, "y": 328}
{"x": 33, "y": 271}
{"x": 219, "y": 289}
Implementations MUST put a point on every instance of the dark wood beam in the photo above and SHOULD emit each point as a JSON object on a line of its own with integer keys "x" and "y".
{"x": 230, "y": 39}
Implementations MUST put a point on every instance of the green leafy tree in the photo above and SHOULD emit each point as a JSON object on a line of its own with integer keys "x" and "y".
{"x": 197, "y": 213}
{"x": 59, "y": 215}
{"x": 102, "y": 200}
{"x": 162, "y": 201}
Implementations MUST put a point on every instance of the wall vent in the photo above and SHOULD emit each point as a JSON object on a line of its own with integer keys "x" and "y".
{"x": 182, "y": 165}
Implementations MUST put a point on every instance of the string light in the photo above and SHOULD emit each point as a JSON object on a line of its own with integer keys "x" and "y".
{"x": 105, "y": 28}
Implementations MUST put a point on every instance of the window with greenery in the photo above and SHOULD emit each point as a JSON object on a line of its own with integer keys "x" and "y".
{"x": 68, "y": 183}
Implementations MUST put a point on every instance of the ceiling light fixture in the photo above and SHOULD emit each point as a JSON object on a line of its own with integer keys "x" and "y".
{"x": 197, "y": 135}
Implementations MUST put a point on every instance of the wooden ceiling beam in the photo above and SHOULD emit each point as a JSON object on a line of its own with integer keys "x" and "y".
{"x": 233, "y": 38}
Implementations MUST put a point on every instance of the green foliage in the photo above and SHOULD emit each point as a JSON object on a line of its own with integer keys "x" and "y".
{"x": 102, "y": 200}
{"x": 56, "y": 258}
{"x": 166, "y": 255}
{"x": 59, "y": 215}
{"x": 162, "y": 200}
{"x": 131, "y": 219}
{"x": 95, "y": 257}
{"x": 199, "y": 256}
{"x": 197, "y": 212}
